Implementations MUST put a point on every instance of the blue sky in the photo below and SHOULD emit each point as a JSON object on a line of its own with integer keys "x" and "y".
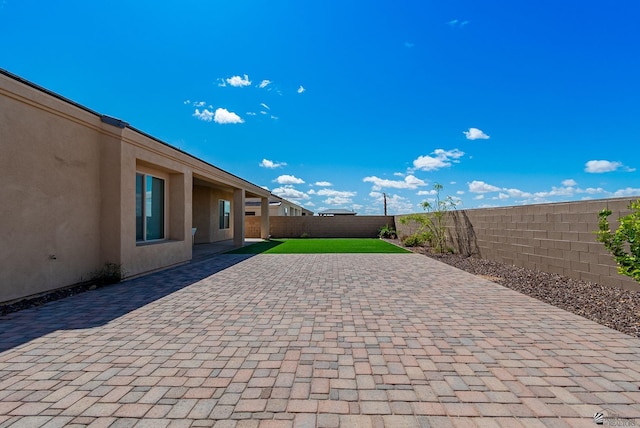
{"x": 332, "y": 103}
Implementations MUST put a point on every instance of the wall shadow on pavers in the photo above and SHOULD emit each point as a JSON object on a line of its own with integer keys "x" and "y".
{"x": 99, "y": 307}
{"x": 257, "y": 248}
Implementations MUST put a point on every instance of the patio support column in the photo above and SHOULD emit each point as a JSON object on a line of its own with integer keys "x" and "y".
{"x": 238, "y": 217}
{"x": 264, "y": 218}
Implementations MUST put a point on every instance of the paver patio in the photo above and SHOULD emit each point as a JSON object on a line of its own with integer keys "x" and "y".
{"x": 327, "y": 340}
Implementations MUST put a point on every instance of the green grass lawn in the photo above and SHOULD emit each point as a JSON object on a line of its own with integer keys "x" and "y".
{"x": 316, "y": 246}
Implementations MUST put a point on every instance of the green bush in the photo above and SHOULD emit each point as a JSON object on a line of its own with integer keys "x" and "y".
{"x": 624, "y": 243}
{"x": 432, "y": 224}
{"x": 415, "y": 240}
{"x": 388, "y": 232}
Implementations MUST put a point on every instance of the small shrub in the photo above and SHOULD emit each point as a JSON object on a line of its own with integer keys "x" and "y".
{"x": 388, "y": 232}
{"x": 415, "y": 240}
{"x": 624, "y": 243}
{"x": 111, "y": 273}
{"x": 432, "y": 223}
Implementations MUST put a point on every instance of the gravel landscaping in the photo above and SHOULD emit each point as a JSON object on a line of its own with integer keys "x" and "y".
{"x": 32, "y": 302}
{"x": 613, "y": 307}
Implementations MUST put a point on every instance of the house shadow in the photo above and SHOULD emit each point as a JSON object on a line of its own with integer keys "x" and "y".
{"x": 100, "y": 306}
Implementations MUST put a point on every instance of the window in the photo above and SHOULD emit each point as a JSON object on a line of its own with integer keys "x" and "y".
{"x": 149, "y": 208}
{"x": 224, "y": 213}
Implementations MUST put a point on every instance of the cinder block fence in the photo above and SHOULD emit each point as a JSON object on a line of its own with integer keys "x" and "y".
{"x": 556, "y": 238}
{"x": 319, "y": 227}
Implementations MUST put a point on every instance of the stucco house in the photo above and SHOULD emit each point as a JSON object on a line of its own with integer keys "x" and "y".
{"x": 80, "y": 189}
{"x": 277, "y": 207}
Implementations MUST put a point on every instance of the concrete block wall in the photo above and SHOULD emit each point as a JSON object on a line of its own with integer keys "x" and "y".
{"x": 319, "y": 227}
{"x": 556, "y": 238}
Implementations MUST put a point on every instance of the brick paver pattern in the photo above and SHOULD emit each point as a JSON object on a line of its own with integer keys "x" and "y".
{"x": 327, "y": 340}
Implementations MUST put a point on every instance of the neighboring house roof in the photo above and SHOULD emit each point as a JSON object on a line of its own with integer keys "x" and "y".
{"x": 259, "y": 203}
{"x": 275, "y": 201}
{"x": 338, "y": 211}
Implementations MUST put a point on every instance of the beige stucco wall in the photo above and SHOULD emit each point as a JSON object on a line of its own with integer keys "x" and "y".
{"x": 206, "y": 218}
{"x": 140, "y": 154}
{"x": 50, "y": 193}
{"x": 278, "y": 210}
{"x": 68, "y": 192}
{"x": 273, "y": 211}
{"x": 557, "y": 238}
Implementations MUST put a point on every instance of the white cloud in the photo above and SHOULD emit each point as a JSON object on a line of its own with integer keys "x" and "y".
{"x": 629, "y": 191}
{"x": 264, "y": 83}
{"x": 591, "y": 190}
{"x": 274, "y": 117}
{"x": 399, "y": 174}
{"x": 224, "y": 116}
{"x": 556, "y": 191}
{"x": 238, "y": 81}
{"x": 442, "y": 159}
{"x": 479, "y": 197}
{"x": 301, "y": 89}
{"x": 516, "y": 193}
{"x": 395, "y": 204}
{"x": 482, "y": 187}
{"x": 427, "y": 192}
{"x": 600, "y": 166}
{"x": 289, "y": 179}
{"x": 251, "y": 113}
{"x": 460, "y": 192}
{"x": 205, "y": 115}
{"x": 335, "y": 193}
{"x": 338, "y": 200}
{"x": 288, "y": 192}
{"x": 569, "y": 189}
{"x": 199, "y": 103}
{"x": 409, "y": 182}
{"x": 322, "y": 183}
{"x": 186, "y": 102}
{"x": 457, "y": 23}
{"x": 265, "y": 106}
{"x": 475, "y": 134}
{"x": 266, "y": 163}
